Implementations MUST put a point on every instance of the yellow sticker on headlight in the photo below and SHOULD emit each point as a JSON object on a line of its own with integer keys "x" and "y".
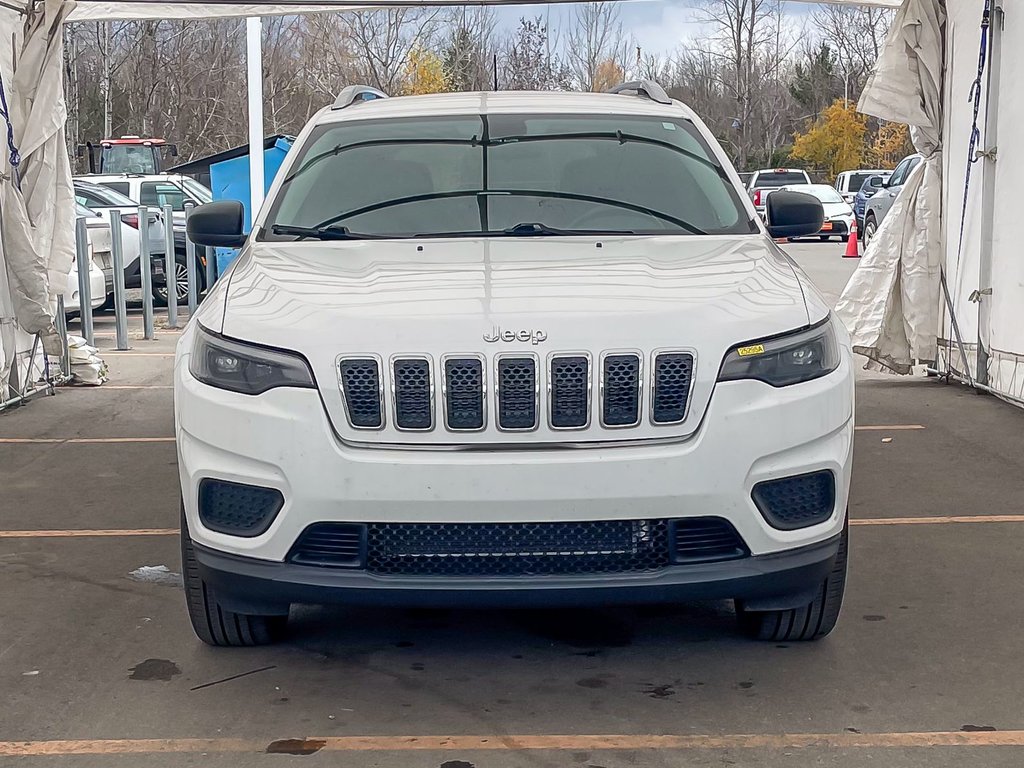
{"x": 753, "y": 349}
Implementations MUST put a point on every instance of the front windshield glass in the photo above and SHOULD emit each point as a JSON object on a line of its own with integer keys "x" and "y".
{"x": 472, "y": 174}
{"x": 820, "y": 191}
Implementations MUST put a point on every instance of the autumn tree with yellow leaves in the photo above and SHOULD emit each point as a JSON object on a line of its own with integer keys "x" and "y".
{"x": 835, "y": 141}
{"x": 424, "y": 73}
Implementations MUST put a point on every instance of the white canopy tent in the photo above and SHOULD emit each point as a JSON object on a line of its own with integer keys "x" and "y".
{"x": 894, "y": 305}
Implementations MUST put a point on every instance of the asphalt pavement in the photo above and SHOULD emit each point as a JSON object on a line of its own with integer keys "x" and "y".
{"x": 99, "y": 667}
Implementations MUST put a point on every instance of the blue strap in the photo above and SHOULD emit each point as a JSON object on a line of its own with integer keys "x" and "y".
{"x": 975, "y": 96}
{"x": 13, "y": 154}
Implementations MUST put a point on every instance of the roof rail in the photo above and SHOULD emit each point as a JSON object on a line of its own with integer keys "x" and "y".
{"x": 647, "y": 89}
{"x": 353, "y": 94}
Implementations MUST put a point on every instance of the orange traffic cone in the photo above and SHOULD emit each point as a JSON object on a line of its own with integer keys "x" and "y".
{"x": 852, "y": 251}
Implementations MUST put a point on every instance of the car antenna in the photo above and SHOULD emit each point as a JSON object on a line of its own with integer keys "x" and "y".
{"x": 495, "y": 71}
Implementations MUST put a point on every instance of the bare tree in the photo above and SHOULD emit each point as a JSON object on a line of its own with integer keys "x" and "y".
{"x": 857, "y": 36}
{"x": 595, "y": 37}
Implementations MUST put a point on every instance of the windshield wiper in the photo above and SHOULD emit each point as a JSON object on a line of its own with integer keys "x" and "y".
{"x": 330, "y": 232}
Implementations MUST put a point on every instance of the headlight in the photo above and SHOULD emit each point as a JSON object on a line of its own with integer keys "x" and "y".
{"x": 784, "y": 360}
{"x": 245, "y": 368}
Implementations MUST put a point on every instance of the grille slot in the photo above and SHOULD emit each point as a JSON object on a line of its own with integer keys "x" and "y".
{"x": 798, "y": 501}
{"x": 620, "y": 382}
{"x": 464, "y": 393}
{"x": 673, "y": 374}
{"x": 706, "y": 539}
{"x": 414, "y": 407}
{"x": 237, "y": 509}
{"x": 517, "y": 393}
{"x": 516, "y": 549}
{"x": 360, "y": 383}
{"x": 570, "y": 392}
{"x": 332, "y": 545}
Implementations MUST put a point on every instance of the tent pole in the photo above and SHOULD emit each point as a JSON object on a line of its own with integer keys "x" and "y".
{"x": 254, "y": 79}
{"x": 988, "y": 194}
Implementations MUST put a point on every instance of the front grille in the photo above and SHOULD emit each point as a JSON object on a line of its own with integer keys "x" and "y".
{"x": 673, "y": 372}
{"x": 332, "y": 545}
{"x": 360, "y": 382}
{"x": 464, "y": 393}
{"x": 570, "y": 392}
{"x": 414, "y": 407}
{"x": 237, "y": 509}
{"x": 517, "y": 392}
{"x": 516, "y": 549}
{"x": 798, "y": 501}
{"x": 632, "y": 388}
{"x": 621, "y": 390}
{"x": 705, "y": 539}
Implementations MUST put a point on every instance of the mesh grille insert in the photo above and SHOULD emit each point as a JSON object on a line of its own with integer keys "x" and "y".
{"x": 464, "y": 393}
{"x": 412, "y": 394}
{"x": 673, "y": 373}
{"x": 335, "y": 545}
{"x": 360, "y": 381}
{"x": 706, "y": 539}
{"x": 516, "y": 549}
{"x": 798, "y": 501}
{"x": 237, "y": 509}
{"x": 517, "y": 393}
{"x": 621, "y": 390}
{"x": 569, "y": 391}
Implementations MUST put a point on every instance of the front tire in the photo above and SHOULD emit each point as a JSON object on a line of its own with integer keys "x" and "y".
{"x": 181, "y": 273}
{"x": 214, "y": 624}
{"x": 810, "y": 622}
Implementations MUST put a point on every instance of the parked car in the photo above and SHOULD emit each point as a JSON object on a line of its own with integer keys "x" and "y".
{"x": 98, "y": 229}
{"x": 761, "y": 182}
{"x": 848, "y": 183}
{"x": 560, "y": 364}
{"x": 878, "y": 205}
{"x": 838, "y": 213}
{"x": 871, "y": 186}
{"x": 101, "y": 199}
{"x": 159, "y": 190}
{"x": 97, "y": 283}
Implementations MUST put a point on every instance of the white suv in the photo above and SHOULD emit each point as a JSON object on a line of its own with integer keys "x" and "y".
{"x": 516, "y": 349}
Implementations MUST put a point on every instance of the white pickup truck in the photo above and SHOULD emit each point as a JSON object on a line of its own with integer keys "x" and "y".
{"x": 512, "y": 349}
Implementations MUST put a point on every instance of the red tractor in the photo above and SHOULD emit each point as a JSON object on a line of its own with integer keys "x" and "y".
{"x": 128, "y": 154}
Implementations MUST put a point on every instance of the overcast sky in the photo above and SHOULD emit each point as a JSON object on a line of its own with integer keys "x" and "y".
{"x": 658, "y": 26}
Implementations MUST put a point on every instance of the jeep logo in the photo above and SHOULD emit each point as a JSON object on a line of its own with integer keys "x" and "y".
{"x": 498, "y": 333}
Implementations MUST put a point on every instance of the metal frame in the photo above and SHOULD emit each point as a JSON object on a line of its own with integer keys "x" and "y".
{"x": 483, "y": 393}
{"x": 537, "y": 373}
{"x": 380, "y": 389}
{"x": 639, "y": 355}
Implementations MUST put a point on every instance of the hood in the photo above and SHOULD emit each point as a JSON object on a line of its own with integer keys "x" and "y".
{"x": 535, "y": 296}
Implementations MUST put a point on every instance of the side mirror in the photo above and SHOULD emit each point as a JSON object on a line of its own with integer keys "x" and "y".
{"x": 217, "y": 224}
{"x": 173, "y": 149}
{"x": 793, "y": 214}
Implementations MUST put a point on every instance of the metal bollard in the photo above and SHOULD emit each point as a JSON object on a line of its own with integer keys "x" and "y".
{"x": 146, "y": 270}
{"x": 171, "y": 262}
{"x": 211, "y": 267}
{"x": 84, "y": 284}
{"x": 190, "y": 264}
{"x": 117, "y": 255}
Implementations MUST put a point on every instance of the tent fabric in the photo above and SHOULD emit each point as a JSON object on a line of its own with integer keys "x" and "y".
{"x": 891, "y": 304}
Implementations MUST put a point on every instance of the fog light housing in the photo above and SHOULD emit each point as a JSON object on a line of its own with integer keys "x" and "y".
{"x": 237, "y": 509}
{"x": 800, "y": 501}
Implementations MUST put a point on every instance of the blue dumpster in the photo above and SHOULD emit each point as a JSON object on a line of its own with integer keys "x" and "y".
{"x": 229, "y": 180}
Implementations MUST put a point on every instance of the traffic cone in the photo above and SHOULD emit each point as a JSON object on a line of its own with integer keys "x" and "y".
{"x": 852, "y": 251}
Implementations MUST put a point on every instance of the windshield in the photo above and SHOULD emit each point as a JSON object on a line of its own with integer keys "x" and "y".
{"x": 486, "y": 174}
{"x": 779, "y": 179}
{"x": 824, "y": 193}
{"x": 197, "y": 190}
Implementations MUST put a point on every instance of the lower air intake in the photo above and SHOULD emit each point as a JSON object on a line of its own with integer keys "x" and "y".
{"x": 797, "y": 502}
{"x": 332, "y": 545}
{"x": 237, "y": 509}
{"x": 705, "y": 540}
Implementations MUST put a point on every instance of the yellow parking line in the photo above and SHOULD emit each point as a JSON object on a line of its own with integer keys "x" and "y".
{"x": 135, "y": 386}
{"x": 889, "y": 427}
{"x": 110, "y": 532}
{"x": 132, "y": 353}
{"x": 85, "y": 440}
{"x": 504, "y": 743}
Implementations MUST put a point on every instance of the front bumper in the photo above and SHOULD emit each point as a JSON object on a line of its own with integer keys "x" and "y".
{"x": 282, "y": 439}
{"x": 767, "y": 582}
